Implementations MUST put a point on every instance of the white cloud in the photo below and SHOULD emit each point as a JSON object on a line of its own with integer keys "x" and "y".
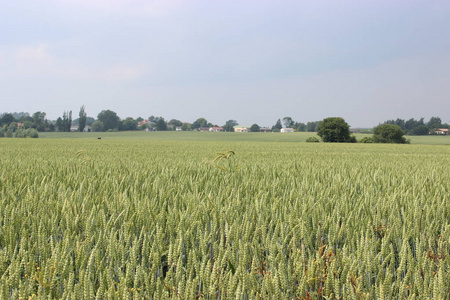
{"x": 123, "y": 72}
{"x": 37, "y": 61}
{"x": 150, "y": 7}
{"x": 32, "y": 52}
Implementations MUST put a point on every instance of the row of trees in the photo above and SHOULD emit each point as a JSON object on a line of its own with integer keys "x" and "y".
{"x": 11, "y": 132}
{"x": 418, "y": 127}
{"x": 288, "y": 122}
{"x": 108, "y": 120}
{"x": 36, "y": 121}
{"x": 336, "y": 130}
{"x": 39, "y": 121}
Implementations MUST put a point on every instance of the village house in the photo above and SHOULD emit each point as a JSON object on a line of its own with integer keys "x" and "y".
{"x": 74, "y": 128}
{"x": 216, "y": 129}
{"x": 239, "y": 128}
{"x": 441, "y": 131}
{"x": 287, "y": 130}
{"x": 203, "y": 129}
{"x": 265, "y": 129}
{"x": 146, "y": 122}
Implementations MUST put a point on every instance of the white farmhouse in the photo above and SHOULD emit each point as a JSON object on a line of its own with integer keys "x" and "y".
{"x": 241, "y": 129}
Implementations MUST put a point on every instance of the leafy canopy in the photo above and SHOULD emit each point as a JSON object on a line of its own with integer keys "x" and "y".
{"x": 388, "y": 133}
{"x": 334, "y": 130}
{"x": 109, "y": 119}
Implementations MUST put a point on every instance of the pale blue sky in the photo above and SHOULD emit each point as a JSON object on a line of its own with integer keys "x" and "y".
{"x": 252, "y": 61}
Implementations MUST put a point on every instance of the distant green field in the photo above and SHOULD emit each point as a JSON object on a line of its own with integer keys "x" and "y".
{"x": 223, "y": 136}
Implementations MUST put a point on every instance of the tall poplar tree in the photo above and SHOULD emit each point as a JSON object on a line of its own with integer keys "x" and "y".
{"x": 82, "y": 120}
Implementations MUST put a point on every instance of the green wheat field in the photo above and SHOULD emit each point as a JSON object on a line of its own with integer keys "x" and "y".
{"x": 172, "y": 216}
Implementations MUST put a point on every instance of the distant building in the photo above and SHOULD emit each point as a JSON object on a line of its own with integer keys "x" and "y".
{"x": 146, "y": 122}
{"x": 265, "y": 129}
{"x": 354, "y": 130}
{"x": 74, "y": 128}
{"x": 441, "y": 131}
{"x": 241, "y": 129}
{"x": 142, "y": 122}
{"x": 178, "y": 128}
{"x": 203, "y": 129}
{"x": 216, "y": 129}
{"x": 287, "y": 130}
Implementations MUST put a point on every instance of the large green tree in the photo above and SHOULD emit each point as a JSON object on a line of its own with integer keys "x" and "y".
{"x": 420, "y": 130}
{"x": 39, "y": 121}
{"x": 97, "y": 126}
{"x": 63, "y": 124}
{"x": 334, "y": 130}
{"x": 229, "y": 125}
{"x": 312, "y": 126}
{"x": 300, "y": 126}
{"x": 129, "y": 124}
{"x": 82, "y": 120}
{"x": 388, "y": 133}
{"x": 288, "y": 122}
{"x": 277, "y": 127}
{"x": 59, "y": 124}
{"x": 175, "y": 122}
{"x": 434, "y": 122}
{"x": 109, "y": 119}
{"x": 254, "y": 128}
{"x": 7, "y": 119}
{"x": 161, "y": 124}
{"x": 186, "y": 126}
{"x": 200, "y": 122}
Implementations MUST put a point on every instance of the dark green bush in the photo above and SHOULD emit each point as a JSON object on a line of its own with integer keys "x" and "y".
{"x": 388, "y": 133}
{"x": 312, "y": 139}
{"x": 352, "y": 139}
{"x": 367, "y": 139}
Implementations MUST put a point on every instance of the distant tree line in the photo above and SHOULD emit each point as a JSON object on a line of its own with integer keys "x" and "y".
{"x": 108, "y": 120}
{"x": 336, "y": 130}
{"x": 23, "y": 125}
{"x": 418, "y": 127}
{"x": 288, "y": 122}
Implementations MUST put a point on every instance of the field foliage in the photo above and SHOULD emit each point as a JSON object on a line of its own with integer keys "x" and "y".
{"x": 192, "y": 136}
{"x": 155, "y": 219}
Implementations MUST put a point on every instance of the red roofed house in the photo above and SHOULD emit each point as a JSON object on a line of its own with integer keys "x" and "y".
{"x": 442, "y": 131}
